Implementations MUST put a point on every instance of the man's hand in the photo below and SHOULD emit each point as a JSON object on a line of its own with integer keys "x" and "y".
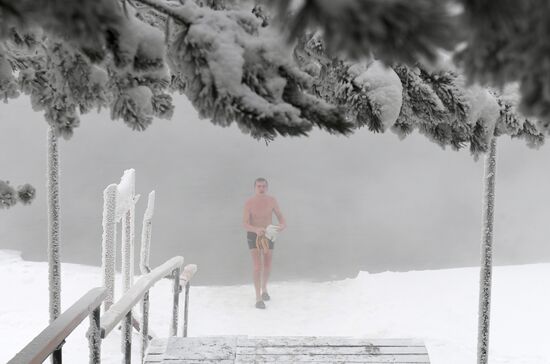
{"x": 260, "y": 231}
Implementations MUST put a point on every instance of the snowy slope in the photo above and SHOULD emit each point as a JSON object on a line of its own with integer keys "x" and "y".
{"x": 439, "y": 307}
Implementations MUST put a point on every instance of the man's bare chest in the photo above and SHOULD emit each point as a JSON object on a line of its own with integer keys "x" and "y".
{"x": 261, "y": 208}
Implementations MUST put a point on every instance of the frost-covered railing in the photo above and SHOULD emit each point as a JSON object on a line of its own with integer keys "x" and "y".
{"x": 119, "y": 206}
{"x": 122, "y": 309}
{"x": 51, "y": 339}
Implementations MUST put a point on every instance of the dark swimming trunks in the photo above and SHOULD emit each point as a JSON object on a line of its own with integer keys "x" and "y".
{"x": 251, "y": 238}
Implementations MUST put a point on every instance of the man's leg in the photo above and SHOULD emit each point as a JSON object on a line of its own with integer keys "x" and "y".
{"x": 255, "y": 253}
{"x": 268, "y": 256}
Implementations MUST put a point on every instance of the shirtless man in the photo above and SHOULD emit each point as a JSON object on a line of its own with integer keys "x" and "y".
{"x": 258, "y": 213}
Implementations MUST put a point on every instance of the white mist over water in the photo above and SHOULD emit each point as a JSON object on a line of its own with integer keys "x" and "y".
{"x": 368, "y": 202}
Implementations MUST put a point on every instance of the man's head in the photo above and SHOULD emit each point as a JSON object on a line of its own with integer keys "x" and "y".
{"x": 260, "y": 186}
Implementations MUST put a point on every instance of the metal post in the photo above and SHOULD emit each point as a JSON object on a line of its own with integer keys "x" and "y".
{"x": 94, "y": 337}
{"x": 127, "y": 338}
{"x": 144, "y": 325}
{"x": 56, "y": 356}
{"x": 185, "y": 309}
{"x": 175, "y": 307}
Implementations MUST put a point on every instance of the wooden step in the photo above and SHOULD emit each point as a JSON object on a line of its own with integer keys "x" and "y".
{"x": 283, "y": 349}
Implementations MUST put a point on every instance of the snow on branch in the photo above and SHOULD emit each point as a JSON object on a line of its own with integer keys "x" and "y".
{"x": 9, "y": 196}
{"x": 233, "y": 70}
{"x": 507, "y": 41}
{"x": 437, "y": 102}
{"x": 395, "y": 31}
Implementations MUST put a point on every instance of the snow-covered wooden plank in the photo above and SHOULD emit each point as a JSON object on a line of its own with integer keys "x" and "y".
{"x": 305, "y": 358}
{"x": 193, "y": 361}
{"x": 118, "y": 310}
{"x": 158, "y": 344}
{"x": 331, "y": 350}
{"x": 52, "y": 336}
{"x": 324, "y": 341}
{"x": 220, "y": 348}
{"x": 243, "y": 349}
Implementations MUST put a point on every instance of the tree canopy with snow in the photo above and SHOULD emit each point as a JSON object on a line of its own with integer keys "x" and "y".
{"x": 280, "y": 68}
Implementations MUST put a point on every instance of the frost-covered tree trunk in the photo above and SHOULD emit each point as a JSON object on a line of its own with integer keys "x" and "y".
{"x": 54, "y": 268}
{"x": 108, "y": 243}
{"x": 486, "y": 253}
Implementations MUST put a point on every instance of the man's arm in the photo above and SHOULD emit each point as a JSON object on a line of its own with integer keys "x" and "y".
{"x": 279, "y": 214}
{"x": 246, "y": 222}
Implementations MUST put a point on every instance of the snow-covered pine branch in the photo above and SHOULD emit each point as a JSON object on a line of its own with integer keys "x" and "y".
{"x": 437, "y": 102}
{"x": 9, "y": 196}
{"x": 507, "y": 41}
{"x": 234, "y": 69}
{"x": 231, "y": 69}
{"x": 395, "y": 31}
{"x": 500, "y": 42}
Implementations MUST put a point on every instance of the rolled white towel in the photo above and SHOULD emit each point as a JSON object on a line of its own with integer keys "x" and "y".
{"x": 271, "y": 232}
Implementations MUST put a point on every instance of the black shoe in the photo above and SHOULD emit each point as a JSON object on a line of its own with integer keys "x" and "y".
{"x": 260, "y": 304}
{"x": 265, "y": 296}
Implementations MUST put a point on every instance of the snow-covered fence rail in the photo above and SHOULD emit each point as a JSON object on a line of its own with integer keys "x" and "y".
{"x": 51, "y": 339}
{"x": 122, "y": 309}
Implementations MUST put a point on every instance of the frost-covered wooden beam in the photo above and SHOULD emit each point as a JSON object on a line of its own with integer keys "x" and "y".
{"x": 146, "y": 234}
{"x": 117, "y": 311}
{"x": 52, "y": 336}
{"x": 108, "y": 243}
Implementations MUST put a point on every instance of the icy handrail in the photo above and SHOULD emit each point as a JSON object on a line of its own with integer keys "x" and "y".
{"x": 118, "y": 310}
{"x": 52, "y": 336}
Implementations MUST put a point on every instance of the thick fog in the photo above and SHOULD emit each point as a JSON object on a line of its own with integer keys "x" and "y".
{"x": 368, "y": 202}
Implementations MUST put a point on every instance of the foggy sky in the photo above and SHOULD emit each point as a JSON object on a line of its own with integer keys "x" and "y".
{"x": 367, "y": 202}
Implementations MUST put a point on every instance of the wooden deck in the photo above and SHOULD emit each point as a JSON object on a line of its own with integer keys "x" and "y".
{"x": 283, "y": 350}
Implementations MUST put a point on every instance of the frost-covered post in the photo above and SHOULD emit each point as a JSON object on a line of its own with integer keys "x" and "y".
{"x": 108, "y": 243}
{"x": 94, "y": 337}
{"x": 144, "y": 324}
{"x": 175, "y": 303}
{"x": 126, "y": 200}
{"x": 146, "y": 234}
{"x": 54, "y": 264}
{"x": 54, "y": 271}
{"x": 188, "y": 273}
{"x": 486, "y": 253}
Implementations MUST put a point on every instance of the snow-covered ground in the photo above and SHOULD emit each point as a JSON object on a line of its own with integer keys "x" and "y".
{"x": 439, "y": 307}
